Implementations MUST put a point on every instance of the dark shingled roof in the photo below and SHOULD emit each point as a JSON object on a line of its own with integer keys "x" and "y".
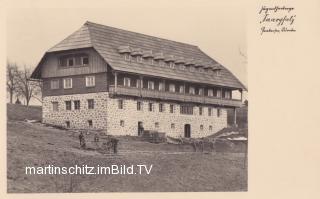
{"x": 107, "y": 41}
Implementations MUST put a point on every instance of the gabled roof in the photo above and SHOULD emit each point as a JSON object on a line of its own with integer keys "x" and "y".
{"x": 107, "y": 41}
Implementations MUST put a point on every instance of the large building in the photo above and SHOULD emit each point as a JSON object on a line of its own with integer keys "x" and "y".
{"x": 106, "y": 78}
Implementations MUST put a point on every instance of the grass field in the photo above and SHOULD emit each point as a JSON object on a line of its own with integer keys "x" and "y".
{"x": 175, "y": 167}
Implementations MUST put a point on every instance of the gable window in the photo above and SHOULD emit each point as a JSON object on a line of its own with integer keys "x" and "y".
{"x": 172, "y": 88}
{"x": 150, "y": 106}
{"x": 209, "y": 111}
{"x": 161, "y": 107}
{"x": 90, "y": 123}
{"x": 76, "y": 104}
{"x": 67, "y": 83}
{"x": 120, "y": 104}
{"x": 181, "y": 89}
{"x": 54, "y": 84}
{"x": 210, "y": 92}
{"x": 218, "y": 112}
{"x": 191, "y": 90}
{"x": 200, "y": 110}
{"x": 151, "y": 85}
{"x": 90, "y": 81}
{"x": 171, "y": 108}
{"x": 127, "y": 81}
{"x": 55, "y": 106}
{"x": 161, "y": 86}
{"x": 68, "y": 105}
{"x": 139, "y": 106}
{"x": 186, "y": 110}
{"x": 90, "y": 103}
{"x": 200, "y": 91}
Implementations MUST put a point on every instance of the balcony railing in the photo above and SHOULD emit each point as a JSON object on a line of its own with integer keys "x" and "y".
{"x": 165, "y": 95}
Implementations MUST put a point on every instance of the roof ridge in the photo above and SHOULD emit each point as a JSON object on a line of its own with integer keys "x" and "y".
{"x": 93, "y": 23}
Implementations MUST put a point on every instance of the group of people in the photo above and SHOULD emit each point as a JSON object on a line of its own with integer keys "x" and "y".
{"x": 112, "y": 142}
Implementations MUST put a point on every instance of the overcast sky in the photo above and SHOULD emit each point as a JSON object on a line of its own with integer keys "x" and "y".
{"x": 218, "y": 28}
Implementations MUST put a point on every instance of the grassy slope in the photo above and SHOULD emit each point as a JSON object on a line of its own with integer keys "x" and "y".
{"x": 21, "y": 112}
{"x": 37, "y": 145}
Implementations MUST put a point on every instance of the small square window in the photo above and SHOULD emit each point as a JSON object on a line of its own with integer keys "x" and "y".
{"x": 90, "y": 81}
{"x": 54, "y": 84}
{"x": 139, "y": 106}
{"x": 90, "y": 103}
{"x": 67, "y": 83}
{"x": 171, "y": 108}
{"x": 150, "y": 105}
{"x": 90, "y": 124}
{"x": 68, "y": 105}
{"x": 122, "y": 123}
{"x": 201, "y": 127}
{"x": 76, "y": 104}
{"x": 55, "y": 106}
{"x": 120, "y": 104}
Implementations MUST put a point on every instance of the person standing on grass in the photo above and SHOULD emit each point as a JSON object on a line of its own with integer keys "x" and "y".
{"x": 82, "y": 140}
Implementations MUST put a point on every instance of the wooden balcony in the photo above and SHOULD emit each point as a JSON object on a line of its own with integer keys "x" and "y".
{"x": 165, "y": 95}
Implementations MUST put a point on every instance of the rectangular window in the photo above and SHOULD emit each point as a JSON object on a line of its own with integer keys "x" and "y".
{"x": 200, "y": 110}
{"x": 122, "y": 123}
{"x": 186, "y": 110}
{"x": 156, "y": 124}
{"x": 218, "y": 93}
{"x": 161, "y": 86}
{"x": 161, "y": 107}
{"x": 68, "y": 105}
{"x": 139, "y": 106}
{"x": 200, "y": 91}
{"x": 70, "y": 61}
{"x": 127, "y": 57}
{"x": 90, "y": 103}
{"x": 139, "y": 59}
{"x": 76, "y": 104}
{"x": 171, "y": 108}
{"x": 68, "y": 124}
{"x": 173, "y": 126}
{"x": 55, "y": 106}
{"x": 127, "y": 81}
{"x": 90, "y": 81}
{"x": 172, "y": 88}
{"x": 67, "y": 83}
{"x": 90, "y": 124}
{"x": 227, "y": 94}
{"x": 210, "y": 128}
{"x": 150, "y": 106}
{"x": 191, "y": 90}
{"x": 55, "y": 84}
{"x": 151, "y": 85}
{"x": 139, "y": 83}
{"x": 120, "y": 104}
{"x": 85, "y": 60}
{"x": 218, "y": 112}
{"x": 209, "y": 111}
{"x": 181, "y": 89}
{"x": 210, "y": 92}
{"x": 201, "y": 127}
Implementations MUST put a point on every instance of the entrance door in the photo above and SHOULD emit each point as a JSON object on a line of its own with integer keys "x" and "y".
{"x": 140, "y": 128}
{"x": 187, "y": 130}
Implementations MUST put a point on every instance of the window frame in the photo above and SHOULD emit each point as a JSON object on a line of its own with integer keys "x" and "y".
{"x": 120, "y": 104}
{"x": 172, "y": 86}
{"x": 54, "y": 86}
{"x": 90, "y": 103}
{"x": 150, "y": 85}
{"x": 55, "y": 106}
{"x": 88, "y": 81}
{"x": 76, "y": 106}
{"x": 65, "y": 83}
{"x": 127, "y": 82}
{"x": 67, "y": 105}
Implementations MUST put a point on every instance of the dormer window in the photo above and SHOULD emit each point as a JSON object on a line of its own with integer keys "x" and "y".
{"x": 74, "y": 60}
{"x": 139, "y": 59}
{"x": 191, "y": 69}
{"x": 127, "y": 56}
{"x": 171, "y": 65}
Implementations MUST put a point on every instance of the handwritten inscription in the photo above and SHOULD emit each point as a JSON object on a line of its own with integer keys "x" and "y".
{"x": 277, "y": 19}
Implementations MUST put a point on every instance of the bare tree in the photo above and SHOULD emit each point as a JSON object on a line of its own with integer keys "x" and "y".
{"x": 26, "y": 88}
{"x": 12, "y": 82}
